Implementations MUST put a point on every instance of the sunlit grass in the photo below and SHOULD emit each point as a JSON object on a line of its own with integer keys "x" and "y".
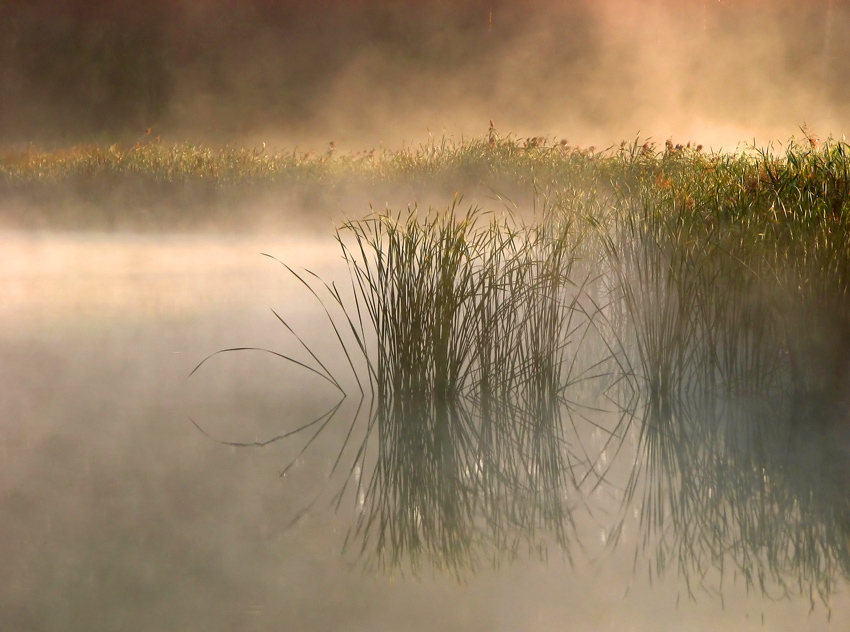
{"x": 468, "y": 326}
{"x": 733, "y": 315}
{"x": 780, "y": 190}
{"x": 705, "y": 297}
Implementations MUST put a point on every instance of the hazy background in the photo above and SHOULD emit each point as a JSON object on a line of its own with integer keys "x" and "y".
{"x": 370, "y": 72}
{"x": 116, "y": 513}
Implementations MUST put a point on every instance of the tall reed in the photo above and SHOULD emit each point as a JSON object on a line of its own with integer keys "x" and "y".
{"x": 467, "y": 333}
{"x": 734, "y": 318}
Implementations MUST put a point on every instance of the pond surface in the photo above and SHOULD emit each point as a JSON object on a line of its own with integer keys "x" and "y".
{"x": 121, "y": 509}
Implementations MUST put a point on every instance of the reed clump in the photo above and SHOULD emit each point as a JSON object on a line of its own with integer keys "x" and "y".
{"x": 703, "y": 297}
{"x": 466, "y": 329}
{"x": 734, "y": 320}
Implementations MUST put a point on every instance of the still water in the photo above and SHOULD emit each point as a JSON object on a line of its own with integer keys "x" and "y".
{"x": 121, "y": 508}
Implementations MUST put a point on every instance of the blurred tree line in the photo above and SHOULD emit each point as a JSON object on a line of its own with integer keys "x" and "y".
{"x": 75, "y": 69}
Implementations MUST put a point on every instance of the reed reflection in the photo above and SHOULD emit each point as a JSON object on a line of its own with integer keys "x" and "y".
{"x": 470, "y": 336}
{"x": 738, "y": 340}
{"x": 703, "y": 304}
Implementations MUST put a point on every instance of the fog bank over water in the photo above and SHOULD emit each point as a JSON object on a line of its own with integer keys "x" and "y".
{"x": 117, "y": 513}
{"x": 374, "y": 72}
{"x": 619, "y": 402}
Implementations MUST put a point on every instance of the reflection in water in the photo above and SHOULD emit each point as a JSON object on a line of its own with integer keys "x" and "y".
{"x": 741, "y": 352}
{"x": 471, "y": 348}
{"x": 729, "y": 487}
{"x": 118, "y": 513}
{"x": 729, "y": 355}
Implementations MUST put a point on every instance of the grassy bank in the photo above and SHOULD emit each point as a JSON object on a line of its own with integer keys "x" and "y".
{"x": 161, "y": 186}
{"x": 701, "y": 299}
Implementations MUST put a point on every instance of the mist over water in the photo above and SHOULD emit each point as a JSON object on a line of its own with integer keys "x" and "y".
{"x": 119, "y": 514}
{"x": 125, "y": 503}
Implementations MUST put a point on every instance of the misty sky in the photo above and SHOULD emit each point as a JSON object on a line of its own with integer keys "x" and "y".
{"x": 370, "y": 72}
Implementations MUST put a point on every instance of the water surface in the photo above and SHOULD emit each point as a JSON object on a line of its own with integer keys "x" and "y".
{"x": 118, "y": 513}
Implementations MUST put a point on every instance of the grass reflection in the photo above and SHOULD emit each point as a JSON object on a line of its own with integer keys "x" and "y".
{"x": 469, "y": 329}
{"x": 737, "y": 327}
{"x": 701, "y": 300}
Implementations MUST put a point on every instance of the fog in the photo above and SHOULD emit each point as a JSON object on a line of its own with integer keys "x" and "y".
{"x": 373, "y": 73}
{"x": 125, "y": 501}
{"x": 118, "y": 514}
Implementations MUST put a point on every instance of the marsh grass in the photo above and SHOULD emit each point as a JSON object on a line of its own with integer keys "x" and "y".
{"x": 700, "y": 298}
{"x": 468, "y": 327}
{"x": 734, "y": 319}
{"x": 185, "y": 185}
{"x": 188, "y": 185}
